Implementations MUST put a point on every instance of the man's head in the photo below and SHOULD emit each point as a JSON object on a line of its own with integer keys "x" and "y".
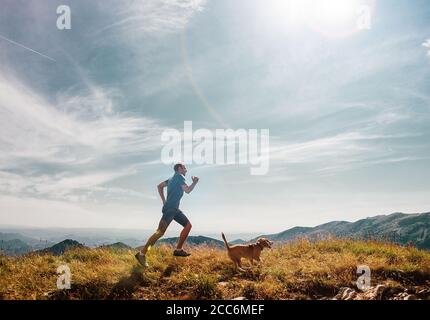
{"x": 180, "y": 168}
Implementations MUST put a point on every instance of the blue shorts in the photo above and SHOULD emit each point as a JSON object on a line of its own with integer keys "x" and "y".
{"x": 173, "y": 214}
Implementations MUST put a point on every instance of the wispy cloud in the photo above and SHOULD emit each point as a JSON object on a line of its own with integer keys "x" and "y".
{"x": 155, "y": 16}
{"x": 69, "y": 187}
{"x": 340, "y": 152}
{"x": 315, "y": 150}
{"x": 82, "y": 139}
{"x": 79, "y": 129}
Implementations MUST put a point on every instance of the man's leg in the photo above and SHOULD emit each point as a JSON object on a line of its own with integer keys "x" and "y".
{"x": 162, "y": 227}
{"x": 182, "y": 219}
{"x": 183, "y": 236}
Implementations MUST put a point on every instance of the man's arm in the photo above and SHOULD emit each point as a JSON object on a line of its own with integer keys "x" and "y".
{"x": 160, "y": 188}
{"x": 188, "y": 189}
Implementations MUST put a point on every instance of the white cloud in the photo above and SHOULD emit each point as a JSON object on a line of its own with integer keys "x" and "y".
{"x": 155, "y": 16}
{"x": 328, "y": 155}
{"x": 69, "y": 148}
{"x": 85, "y": 128}
{"x": 69, "y": 187}
{"x": 316, "y": 150}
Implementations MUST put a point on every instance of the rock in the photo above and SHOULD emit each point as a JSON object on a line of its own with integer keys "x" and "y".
{"x": 424, "y": 293}
{"x": 349, "y": 294}
{"x": 345, "y": 293}
{"x": 379, "y": 292}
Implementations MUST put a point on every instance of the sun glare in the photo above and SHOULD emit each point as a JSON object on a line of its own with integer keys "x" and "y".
{"x": 330, "y": 17}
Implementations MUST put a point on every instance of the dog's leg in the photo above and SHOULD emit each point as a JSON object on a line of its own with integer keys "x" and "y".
{"x": 239, "y": 265}
{"x": 236, "y": 264}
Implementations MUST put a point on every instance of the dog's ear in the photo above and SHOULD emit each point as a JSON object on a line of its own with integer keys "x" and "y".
{"x": 260, "y": 242}
{"x": 268, "y": 243}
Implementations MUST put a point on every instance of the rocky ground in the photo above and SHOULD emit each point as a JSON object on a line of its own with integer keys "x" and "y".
{"x": 384, "y": 292}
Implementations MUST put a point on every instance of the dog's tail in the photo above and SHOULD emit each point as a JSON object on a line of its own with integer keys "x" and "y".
{"x": 225, "y": 240}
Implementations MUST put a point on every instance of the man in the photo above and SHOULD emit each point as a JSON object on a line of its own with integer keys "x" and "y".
{"x": 176, "y": 187}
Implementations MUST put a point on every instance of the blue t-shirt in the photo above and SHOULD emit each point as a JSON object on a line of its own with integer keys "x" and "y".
{"x": 174, "y": 191}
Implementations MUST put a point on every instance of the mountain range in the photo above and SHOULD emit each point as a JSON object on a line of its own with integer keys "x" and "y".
{"x": 16, "y": 244}
{"x": 397, "y": 227}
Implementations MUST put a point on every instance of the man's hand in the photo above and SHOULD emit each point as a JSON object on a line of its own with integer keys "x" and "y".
{"x": 188, "y": 189}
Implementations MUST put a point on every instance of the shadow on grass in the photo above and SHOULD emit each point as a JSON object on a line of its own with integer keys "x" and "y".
{"x": 415, "y": 277}
{"x": 95, "y": 290}
{"x": 126, "y": 286}
{"x": 101, "y": 290}
{"x": 171, "y": 268}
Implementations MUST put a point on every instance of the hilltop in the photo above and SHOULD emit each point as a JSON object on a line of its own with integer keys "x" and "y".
{"x": 301, "y": 269}
{"x": 61, "y": 247}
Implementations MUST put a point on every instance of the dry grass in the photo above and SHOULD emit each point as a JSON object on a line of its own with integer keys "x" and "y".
{"x": 298, "y": 270}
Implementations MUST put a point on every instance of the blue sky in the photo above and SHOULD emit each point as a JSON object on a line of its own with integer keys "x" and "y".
{"x": 80, "y": 132}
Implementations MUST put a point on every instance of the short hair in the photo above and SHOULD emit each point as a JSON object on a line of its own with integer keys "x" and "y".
{"x": 177, "y": 166}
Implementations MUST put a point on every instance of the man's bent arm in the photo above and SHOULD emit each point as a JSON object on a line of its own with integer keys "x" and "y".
{"x": 188, "y": 189}
{"x": 160, "y": 188}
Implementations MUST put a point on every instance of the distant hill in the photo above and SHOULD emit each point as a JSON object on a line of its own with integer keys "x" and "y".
{"x": 397, "y": 227}
{"x": 194, "y": 241}
{"x": 13, "y": 236}
{"x": 16, "y": 243}
{"x": 237, "y": 241}
{"x": 116, "y": 245}
{"x": 61, "y": 247}
{"x": 14, "y": 247}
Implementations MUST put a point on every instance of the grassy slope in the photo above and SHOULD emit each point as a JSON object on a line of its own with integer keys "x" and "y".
{"x": 299, "y": 270}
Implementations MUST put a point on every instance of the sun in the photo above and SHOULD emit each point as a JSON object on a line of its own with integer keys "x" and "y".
{"x": 329, "y": 17}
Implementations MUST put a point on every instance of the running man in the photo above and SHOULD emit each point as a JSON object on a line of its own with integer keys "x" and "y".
{"x": 176, "y": 187}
